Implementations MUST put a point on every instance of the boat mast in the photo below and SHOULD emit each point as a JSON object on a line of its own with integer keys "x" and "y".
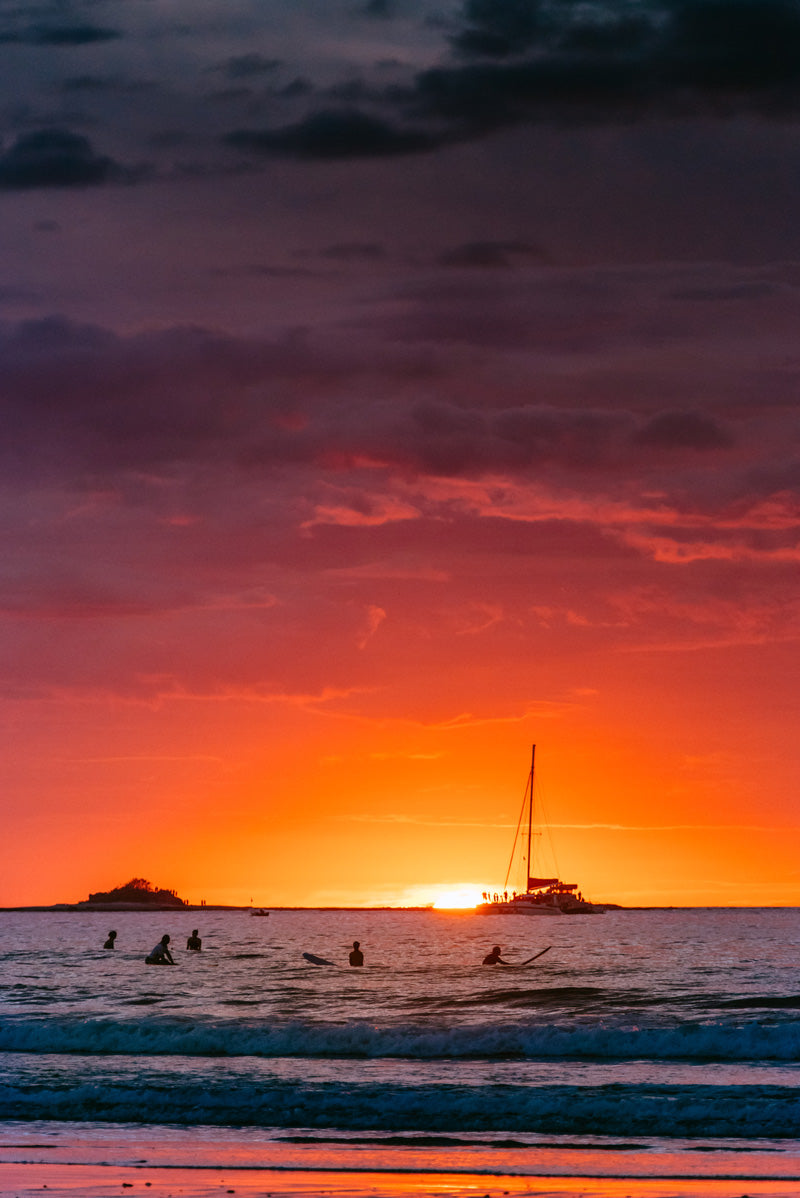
{"x": 530, "y": 821}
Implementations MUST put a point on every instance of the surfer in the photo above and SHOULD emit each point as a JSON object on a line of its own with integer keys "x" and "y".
{"x": 494, "y": 958}
{"x": 194, "y": 942}
{"x": 111, "y": 938}
{"x": 160, "y": 954}
{"x": 356, "y": 956}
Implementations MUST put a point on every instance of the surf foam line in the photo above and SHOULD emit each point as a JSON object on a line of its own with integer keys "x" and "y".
{"x": 154, "y": 1036}
{"x": 694, "y": 1111}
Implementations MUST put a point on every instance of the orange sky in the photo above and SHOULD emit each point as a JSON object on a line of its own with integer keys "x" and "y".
{"x": 310, "y": 801}
{"x": 385, "y": 389}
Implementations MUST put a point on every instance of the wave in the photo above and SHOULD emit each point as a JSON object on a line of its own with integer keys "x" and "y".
{"x": 241, "y": 1037}
{"x": 610, "y": 1110}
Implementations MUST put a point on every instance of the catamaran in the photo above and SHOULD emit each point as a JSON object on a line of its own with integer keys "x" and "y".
{"x": 542, "y": 896}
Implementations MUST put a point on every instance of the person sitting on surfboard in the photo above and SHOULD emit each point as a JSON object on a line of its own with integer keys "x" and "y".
{"x": 194, "y": 942}
{"x": 494, "y": 958}
{"x": 356, "y": 956}
{"x": 111, "y": 938}
{"x": 160, "y": 954}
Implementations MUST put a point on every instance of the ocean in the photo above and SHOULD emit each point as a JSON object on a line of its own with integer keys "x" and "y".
{"x": 643, "y": 1044}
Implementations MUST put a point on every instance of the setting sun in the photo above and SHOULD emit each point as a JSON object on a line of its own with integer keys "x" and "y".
{"x": 461, "y": 895}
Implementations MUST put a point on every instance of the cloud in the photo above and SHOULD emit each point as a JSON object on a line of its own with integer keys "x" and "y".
{"x": 354, "y": 251}
{"x": 492, "y": 254}
{"x": 496, "y": 30}
{"x": 192, "y": 395}
{"x": 683, "y": 430}
{"x": 375, "y": 617}
{"x": 527, "y": 60}
{"x": 54, "y": 158}
{"x": 335, "y": 134}
{"x": 59, "y": 35}
{"x": 246, "y": 66}
{"x": 519, "y": 62}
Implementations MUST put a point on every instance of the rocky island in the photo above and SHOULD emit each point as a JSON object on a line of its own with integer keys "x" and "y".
{"x": 136, "y": 895}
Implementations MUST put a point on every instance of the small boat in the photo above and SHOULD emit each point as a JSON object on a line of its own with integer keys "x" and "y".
{"x": 542, "y": 896}
{"x": 260, "y": 914}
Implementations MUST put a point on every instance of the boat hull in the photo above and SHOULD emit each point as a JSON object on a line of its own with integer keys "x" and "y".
{"x": 513, "y": 908}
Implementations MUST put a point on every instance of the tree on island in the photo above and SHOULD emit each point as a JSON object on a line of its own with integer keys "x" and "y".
{"x": 138, "y": 890}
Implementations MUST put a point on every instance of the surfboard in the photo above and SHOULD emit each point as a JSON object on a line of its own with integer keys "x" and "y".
{"x": 312, "y": 960}
{"x": 522, "y": 964}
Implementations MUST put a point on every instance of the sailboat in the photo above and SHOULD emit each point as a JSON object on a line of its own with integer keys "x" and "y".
{"x": 542, "y": 896}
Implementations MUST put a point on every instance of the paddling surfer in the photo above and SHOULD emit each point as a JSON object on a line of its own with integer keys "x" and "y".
{"x": 494, "y": 958}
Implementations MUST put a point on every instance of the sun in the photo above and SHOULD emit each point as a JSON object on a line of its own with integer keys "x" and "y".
{"x": 442, "y": 896}
{"x": 456, "y": 897}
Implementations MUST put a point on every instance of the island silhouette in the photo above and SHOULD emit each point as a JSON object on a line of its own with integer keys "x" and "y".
{"x": 140, "y": 892}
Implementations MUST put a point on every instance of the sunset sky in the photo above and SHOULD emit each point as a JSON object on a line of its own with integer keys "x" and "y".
{"x": 388, "y": 385}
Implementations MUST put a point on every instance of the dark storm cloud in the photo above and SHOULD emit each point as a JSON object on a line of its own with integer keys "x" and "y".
{"x": 378, "y": 8}
{"x": 332, "y": 134}
{"x": 54, "y": 158}
{"x": 497, "y": 28}
{"x": 518, "y": 61}
{"x": 59, "y": 35}
{"x": 526, "y": 60}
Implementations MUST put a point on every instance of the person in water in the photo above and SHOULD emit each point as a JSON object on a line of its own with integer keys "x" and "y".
{"x": 494, "y": 958}
{"x": 356, "y": 956}
{"x": 111, "y": 938}
{"x": 194, "y": 942}
{"x": 160, "y": 954}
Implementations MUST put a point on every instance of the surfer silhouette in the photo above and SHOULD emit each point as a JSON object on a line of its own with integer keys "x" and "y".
{"x": 160, "y": 954}
{"x": 356, "y": 956}
{"x": 494, "y": 958}
{"x": 110, "y": 942}
{"x": 194, "y": 942}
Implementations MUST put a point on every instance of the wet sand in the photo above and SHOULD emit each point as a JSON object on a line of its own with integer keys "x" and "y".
{"x": 112, "y": 1181}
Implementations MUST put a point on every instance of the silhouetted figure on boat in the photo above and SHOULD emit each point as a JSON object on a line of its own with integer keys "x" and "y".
{"x": 494, "y": 958}
{"x": 160, "y": 954}
{"x": 194, "y": 942}
{"x": 356, "y": 956}
{"x": 111, "y": 938}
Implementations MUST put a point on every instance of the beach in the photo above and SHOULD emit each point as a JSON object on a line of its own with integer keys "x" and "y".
{"x": 97, "y": 1182}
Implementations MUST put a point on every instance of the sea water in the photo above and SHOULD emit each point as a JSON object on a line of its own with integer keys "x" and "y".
{"x": 643, "y": 1043}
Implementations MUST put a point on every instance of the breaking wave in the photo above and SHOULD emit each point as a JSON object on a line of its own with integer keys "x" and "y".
{"x": 207, "y": 1037}
{"x": 612, "y": 1110}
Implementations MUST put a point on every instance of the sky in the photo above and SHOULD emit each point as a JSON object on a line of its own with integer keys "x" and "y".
{"x": 387, "y": 386}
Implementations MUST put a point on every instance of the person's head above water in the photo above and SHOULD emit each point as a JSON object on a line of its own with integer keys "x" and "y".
{"x": 165, "y": 939}
{"x": 111, "y": 935}
{"x": 194, "y": 931}
{"x": 356, "y": 943}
